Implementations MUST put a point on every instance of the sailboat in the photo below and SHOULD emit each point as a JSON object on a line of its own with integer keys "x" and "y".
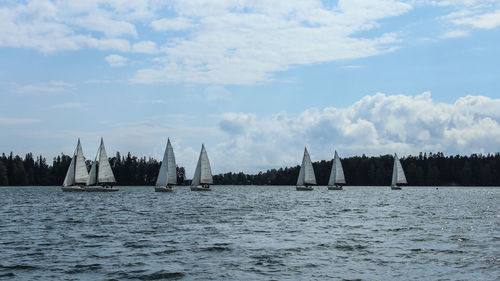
{"x": 203, "y": 174}
{"x": 167, "y": 177}
{"x": 101, "y": 177}
{"x": 306, "y": 174}
{"x": 336, "y": 175}
{"x": 398, "y": 175}
{"x": 77, "y": 175}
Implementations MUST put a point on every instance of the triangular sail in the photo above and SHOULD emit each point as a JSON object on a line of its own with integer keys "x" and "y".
{"x": 203, "y": 172}
{"x": 105, "y": 174}
{"x": 77, "y": 170}
{"x": 81, "y": 173}
{"x": 168, "y": 171}
{"x": 92, "y": 180}
{"x": 69, "y": 179}
{"x": 306, "y": 174}
{"x": 337, "y": 173}
{"x": 300, "y": 179}
{"x": 398, "y": 175}
{"x": 197, "y": 174}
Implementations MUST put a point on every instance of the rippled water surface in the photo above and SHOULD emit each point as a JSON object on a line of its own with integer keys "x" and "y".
{"x": 251, "y": 233}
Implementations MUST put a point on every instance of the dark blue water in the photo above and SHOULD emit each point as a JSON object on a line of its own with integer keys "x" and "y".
{"x": 250, "y": 233}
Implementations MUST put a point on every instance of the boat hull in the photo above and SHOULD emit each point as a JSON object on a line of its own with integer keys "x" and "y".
{"x": 304, "y": 188}
{"x": 163, "y": 189}
{"x": 100, "y": 189}
{"x": 200, "y": 188}
{"x": 72, "y": 189}
{"x": 88, "y": 189}
{"x": 395, "y": 187}
{"x": 335, "y": 188}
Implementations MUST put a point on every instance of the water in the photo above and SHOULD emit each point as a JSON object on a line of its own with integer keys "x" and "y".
{"x": 251, "y": 233}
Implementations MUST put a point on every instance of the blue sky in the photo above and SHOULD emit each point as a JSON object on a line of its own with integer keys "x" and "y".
{"x": 253, "y": 80}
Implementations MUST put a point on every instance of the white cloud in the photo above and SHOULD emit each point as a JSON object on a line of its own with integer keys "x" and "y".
{"x": 471, "y": 14}
{"x": 175, "y": 24}
{"x": 116, "y": 60}
{"x": 245, "y": 42}
{"x": 374, "y": 125}
{"x": 145, "y": 47}
{"x": 161, "y": 101}
{"x": 226, "y": 42}
{"x": 455, "y": 34}
{"x": 51, "y": 26}
{"x": 377, "y": 124}
{"x": 69, "y": 105}
{"x": 44, "y": 88}
{"x": 17, "y": 121}
{"x": 483, "y": 21}
{"x": 352, "y": 66}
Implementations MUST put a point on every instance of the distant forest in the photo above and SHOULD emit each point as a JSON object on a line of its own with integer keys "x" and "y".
{"x": 424, "y": 169}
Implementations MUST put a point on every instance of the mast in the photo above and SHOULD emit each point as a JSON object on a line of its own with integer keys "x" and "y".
{"x": 203, "y": 172}
{"x": 398, "y": 174}
{"x": 306, "y": 174}
{"x": 337, "y": 173}
{"x": 168, "y": 171}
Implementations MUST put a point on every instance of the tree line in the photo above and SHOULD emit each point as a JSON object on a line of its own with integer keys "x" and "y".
{"x": 128, "y": 170}
{"x": 422, "y": 170}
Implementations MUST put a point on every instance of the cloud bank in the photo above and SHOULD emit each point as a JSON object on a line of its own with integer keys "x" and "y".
{"x": 378, "y": 124}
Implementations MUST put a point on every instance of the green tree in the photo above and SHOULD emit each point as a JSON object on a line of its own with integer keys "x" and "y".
{"x": 19, "y": 174}
{"x": 4, "y": 180}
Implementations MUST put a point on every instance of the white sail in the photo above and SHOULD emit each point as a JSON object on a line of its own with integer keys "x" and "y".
{"x": 92, "y": 180}
{"x": 69, "y": 179}
{"x": 398, "y": 175}
{"x": 77, "y": 171}
{"x": 81, "y": 173}
{"x": 300, "y": 179}
{"x": 168, "y": 171}
{"x": 337, "y": 173}
{"x": 306, "y": 174}
{"x": 105, "y": 174}
{"x": 203, "y": 172}
{"x": 197, "y": 174}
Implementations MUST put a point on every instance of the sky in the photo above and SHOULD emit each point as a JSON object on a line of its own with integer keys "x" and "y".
{"x": 255, "y": 81}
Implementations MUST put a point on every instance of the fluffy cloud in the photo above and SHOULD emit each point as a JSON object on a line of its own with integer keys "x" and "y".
{"x": 472, "y": 14}
{"x": 145, "y": 47}
{"x": 50, "y": 26}
{"x": 226, "y": 42}
{"x": 377, "y": 124}
{"x": 244, "y": 42}
{"x": 483, "y": 21}
{"x": 116, "y": 60}
{"x": 175, "y": 24}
